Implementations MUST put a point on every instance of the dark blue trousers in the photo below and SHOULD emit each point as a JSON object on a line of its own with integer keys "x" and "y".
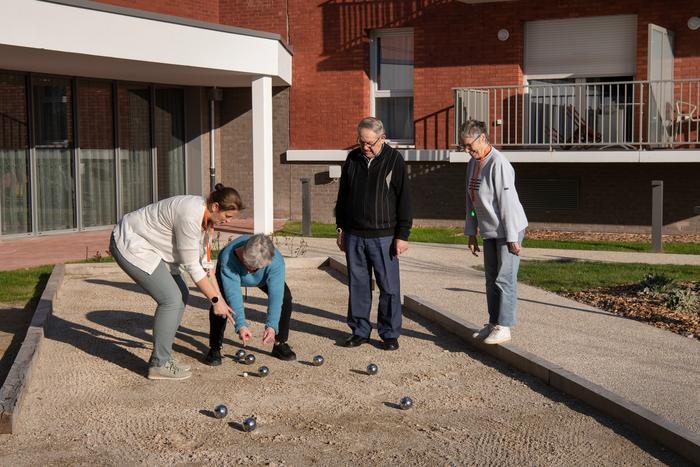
{"x": 364, "y": 255}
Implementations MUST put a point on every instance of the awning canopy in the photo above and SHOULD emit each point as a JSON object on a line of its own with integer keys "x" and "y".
{"x": 82, "y": 38}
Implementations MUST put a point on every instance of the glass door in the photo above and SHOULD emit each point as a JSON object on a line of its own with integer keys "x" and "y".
{"x": 53, "y": 143}
{"x": 170, "y": 141}
{"x": 135, "y": 154}
{"x": 660, "y": 74}
{"x": 15, "y": 208}
{"x": 96, "y": 154}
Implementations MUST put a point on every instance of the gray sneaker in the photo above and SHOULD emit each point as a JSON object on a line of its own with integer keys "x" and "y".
{"x": 182, "y": 365}
{"x": 171, "y": 370}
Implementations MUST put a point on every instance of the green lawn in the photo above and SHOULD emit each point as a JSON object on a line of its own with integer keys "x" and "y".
{"x": 572, "y": 276}
{"x": 23, "y": 285}
{"x": 454, "y": 235}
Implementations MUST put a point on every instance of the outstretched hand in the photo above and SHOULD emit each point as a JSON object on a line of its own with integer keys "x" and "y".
{"x": 268, "y": 336}
{"x": 245, "y": 335}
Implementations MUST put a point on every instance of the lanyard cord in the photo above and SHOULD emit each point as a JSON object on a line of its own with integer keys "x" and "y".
{"x": 208, "y": 231}
{"x": 476, "y": 172}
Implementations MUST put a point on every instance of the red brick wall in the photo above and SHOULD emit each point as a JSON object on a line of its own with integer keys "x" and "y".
{"x": 261, "y": 15}
{"x": 202, "y": 10}
{"x": 455, "y": 45}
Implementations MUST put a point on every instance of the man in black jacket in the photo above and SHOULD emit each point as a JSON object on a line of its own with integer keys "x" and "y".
{"x": 373, "y": 217}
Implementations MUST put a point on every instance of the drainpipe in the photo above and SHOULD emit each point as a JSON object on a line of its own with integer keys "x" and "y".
{"x": 215, "y": 94}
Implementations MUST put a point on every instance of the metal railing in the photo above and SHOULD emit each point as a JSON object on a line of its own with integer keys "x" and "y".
{"x": 605, "y": 115}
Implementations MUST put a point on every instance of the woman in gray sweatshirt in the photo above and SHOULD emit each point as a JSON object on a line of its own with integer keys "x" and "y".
{"x": 494, "y": 211}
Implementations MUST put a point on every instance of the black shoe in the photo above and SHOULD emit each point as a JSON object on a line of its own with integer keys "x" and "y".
{"x": 356, "y": 341}
{"x": 390, "y": 344}
{"x": 283, "y": 351}
{"x": 213, "y": 358}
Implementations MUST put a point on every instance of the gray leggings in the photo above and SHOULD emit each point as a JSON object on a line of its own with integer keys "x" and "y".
{"x": 170, "y": 292}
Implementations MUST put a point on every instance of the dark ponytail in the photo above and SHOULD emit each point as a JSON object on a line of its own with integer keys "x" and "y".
{"x": 227, "y": 198}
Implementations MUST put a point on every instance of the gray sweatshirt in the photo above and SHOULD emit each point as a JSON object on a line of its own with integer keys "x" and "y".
{"x": 496, "y": 209}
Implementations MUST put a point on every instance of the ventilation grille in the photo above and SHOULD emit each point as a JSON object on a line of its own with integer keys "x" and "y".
{"x": 548, "y": 194}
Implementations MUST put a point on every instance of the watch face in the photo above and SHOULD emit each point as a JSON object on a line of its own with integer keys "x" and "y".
{"x": 215, "y": 299}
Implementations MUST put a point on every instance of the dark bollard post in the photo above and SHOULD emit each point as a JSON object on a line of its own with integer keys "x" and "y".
{"x": 305, "y": 208}
{"x": 657, "y": 214}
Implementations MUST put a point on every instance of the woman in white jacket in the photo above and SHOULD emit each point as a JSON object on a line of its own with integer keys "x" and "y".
{"x": 495, "y": 212}
{"x": 151, "y": 243}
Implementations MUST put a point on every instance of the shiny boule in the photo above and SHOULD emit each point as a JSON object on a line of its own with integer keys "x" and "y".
{"x": 263, "y": 371}
{"x": 240, "y": 353}
{"x": 318, "y": 360}
{"x": 220, "y": 411}
{"x": 406, "y": 403}
{"x": 249, "y": 359}
{"x": 249, "y": 424}
{"x": 372, "y": 369}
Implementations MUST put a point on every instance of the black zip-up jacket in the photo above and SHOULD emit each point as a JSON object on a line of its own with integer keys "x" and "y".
{"x": 374, "y": 201}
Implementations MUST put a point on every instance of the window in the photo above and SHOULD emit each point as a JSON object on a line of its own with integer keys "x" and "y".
{"x": 391, "y": 72}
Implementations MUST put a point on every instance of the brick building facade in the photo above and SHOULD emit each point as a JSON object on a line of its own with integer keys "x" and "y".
{"x": 455, "y": 44}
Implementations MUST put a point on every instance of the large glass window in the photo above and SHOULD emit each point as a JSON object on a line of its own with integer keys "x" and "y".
{"x": 170, "y": 145}
{"x": 15, "y": 212}
{"x": 96, "y": 142}
{"x": 392, "y": 77}
{"x": 135, "y": 147}
{"x": 58, "y": 161}
{"x": 53, "y": 142}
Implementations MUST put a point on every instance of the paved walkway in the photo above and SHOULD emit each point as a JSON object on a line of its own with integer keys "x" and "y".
{"x": 657, "y": 369}
{"x": 66, "y": 247}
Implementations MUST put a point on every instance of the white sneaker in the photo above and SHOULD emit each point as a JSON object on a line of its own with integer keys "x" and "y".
{"x": 499, "y": 335}
{"x": 484, "y": 332}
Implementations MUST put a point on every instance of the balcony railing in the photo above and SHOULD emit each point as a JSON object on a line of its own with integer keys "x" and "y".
{"x": 605, "y": 115}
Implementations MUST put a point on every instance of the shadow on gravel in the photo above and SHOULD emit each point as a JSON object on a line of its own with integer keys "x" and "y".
{"x": 555, "y": 305}
{"x": 453, "y": 343}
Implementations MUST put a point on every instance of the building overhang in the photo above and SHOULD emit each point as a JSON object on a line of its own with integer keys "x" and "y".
{"x": 534, "y": 156}
{"x": 82, "y": 38}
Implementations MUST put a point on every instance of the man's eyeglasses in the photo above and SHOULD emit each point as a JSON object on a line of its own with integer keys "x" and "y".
{"x": 362, "y": 143}
{"x": 468, "y": 146}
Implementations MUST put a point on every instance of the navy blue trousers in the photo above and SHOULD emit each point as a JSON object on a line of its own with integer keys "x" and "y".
{"x": 364, "y": 255}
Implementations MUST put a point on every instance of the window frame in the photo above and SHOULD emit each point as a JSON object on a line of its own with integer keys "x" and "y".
{"x": 375, "y": 92}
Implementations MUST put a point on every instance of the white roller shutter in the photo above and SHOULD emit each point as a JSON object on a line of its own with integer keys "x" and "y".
{"x": 591, "y": 46}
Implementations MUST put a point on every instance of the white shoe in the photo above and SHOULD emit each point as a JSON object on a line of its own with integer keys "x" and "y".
{"x": 499, "y": 335}
{"x": 484, "y": 332}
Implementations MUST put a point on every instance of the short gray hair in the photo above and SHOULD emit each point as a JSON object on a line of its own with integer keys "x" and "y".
{"x": 473, "y": 128}
{"x": 371, "y": 123}
{"x": 258, "y": 251}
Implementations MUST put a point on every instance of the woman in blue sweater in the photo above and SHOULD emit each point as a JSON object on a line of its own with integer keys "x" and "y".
{"x": 252, "y": 262}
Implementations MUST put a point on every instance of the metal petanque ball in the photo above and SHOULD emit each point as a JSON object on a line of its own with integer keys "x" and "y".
{"x": 406, "y": 403}
{"x": 263, "y": 371}
{"x": 372, "y": 369}
{"x": 249, "y": 424}
{"x": 240, "y": 353}
{"x": 249, "y": 359}
{"x": 220, "y": 411}
{"x": 318, "y": 360}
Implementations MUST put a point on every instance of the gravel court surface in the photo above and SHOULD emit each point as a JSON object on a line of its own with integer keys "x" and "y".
{"x": 91, "y": 404}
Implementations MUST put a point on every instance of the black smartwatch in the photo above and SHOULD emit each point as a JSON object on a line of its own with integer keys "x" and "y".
{"x": 215, "y": 300}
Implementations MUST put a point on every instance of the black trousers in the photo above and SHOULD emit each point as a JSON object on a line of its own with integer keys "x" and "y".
{"x": 217, "y": 324}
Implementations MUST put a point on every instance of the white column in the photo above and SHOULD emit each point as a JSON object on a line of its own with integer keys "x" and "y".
{"x": 262, "y": 155}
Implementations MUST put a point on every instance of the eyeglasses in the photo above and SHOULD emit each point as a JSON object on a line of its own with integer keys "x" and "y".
{"x": 468, "y": 146}
{"x": 362, "y": 143}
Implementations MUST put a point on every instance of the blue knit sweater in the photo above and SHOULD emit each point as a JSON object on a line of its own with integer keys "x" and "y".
{"x": 232, "y": 275}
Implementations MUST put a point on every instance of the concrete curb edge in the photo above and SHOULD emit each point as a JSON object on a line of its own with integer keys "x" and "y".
{"x": 20, "y": 374}
{"x": 671, "y": 435}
